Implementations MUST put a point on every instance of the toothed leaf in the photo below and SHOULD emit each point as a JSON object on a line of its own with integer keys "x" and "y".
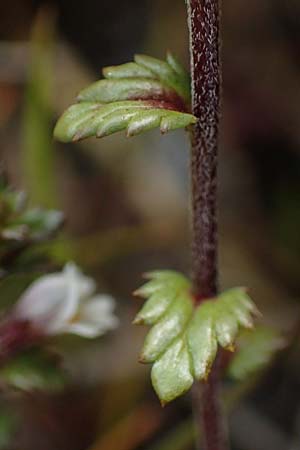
{"x": 135, "y": 97}
{"x": 184, "y": 339}
{"x": 256, "y": 349}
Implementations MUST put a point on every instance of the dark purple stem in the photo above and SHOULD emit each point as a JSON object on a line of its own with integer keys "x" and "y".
{"x": 203, "y": 17}
{"x": 204, "y": 26}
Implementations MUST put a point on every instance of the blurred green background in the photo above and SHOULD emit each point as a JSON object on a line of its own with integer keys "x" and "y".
{"x": 126, "y": 210}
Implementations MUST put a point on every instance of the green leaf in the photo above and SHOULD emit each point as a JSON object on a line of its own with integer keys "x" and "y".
{"x": 31, "y": 371}
{"x": 184, "y": 339}
{"x": 135, "y": 97}
{"x": 256, "y": 348}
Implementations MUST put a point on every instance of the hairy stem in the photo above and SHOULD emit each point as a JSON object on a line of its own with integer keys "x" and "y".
{"x": 203, "y": 17}
{"x": 204, "y": 23}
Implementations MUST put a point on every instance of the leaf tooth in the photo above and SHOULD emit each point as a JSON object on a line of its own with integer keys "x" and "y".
{"x": 109, "y": 118}
{"x": 171, "y": 373}
{"x": 183, "y": 75}
{"x": 237, "y": 294}
{"x": 243, "y": 316}
{"x": 92, "y": 123}
{"x": 173, "y": 120}
{"x": 114, "y": 122}
{"x": 163, "y": 280}
{"x": 248, "y": 302}
{"x": 202, "y": 341}
{"x": 68, "y": 124}
{"x": 226, "y": 329}
{"x": 127, "y": 70}
{"x": 170, "y": 326}
{"x": 81, "y": 120}
{"x": 164, "y": 72}
{"x": 144, "y": 121}
{"x": 176, "y": 66}
{"x": 158, "y": 67}
{"x": 237, "y": 301}
{"x": 149, "y": 288}
{"x": 155, "y": 307}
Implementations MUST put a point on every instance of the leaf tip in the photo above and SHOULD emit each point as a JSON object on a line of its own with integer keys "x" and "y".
{"x": 138, "y": 320}
{"x": 230, "y": 347}
{"x": 138, "y": 293}
{"x": 142, "y": 359}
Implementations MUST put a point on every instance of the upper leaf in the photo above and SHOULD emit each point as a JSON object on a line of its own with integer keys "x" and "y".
{"x": 135, "y": 96}
{"x": 183, "y": 342}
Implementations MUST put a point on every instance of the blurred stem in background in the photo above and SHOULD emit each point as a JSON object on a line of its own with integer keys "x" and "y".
{"x": 38, "y": 150}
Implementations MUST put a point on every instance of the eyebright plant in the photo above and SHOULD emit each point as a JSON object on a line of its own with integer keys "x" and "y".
{"x": 184, "y": 340}
{"x": 190, "y": 320}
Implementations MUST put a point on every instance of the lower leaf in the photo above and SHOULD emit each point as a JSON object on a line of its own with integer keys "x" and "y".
{"x": 183, "y": 343}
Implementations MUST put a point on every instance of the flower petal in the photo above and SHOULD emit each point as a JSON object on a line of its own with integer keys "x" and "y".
{"x": 95, "y": 317}
{"x": 99, "y": 310}
{"x": 79, "y": 286}
{"x": 86, "y": 285}
{"x": 53, "y": 300}
{"x": 43, "y": 300}
{"x": 84, "y": 329}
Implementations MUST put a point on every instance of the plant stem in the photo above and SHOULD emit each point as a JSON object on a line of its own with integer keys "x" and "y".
{"x": 203, "y": 18}
{"x": 16, "y": 335}
{"x": 204, "y": 26}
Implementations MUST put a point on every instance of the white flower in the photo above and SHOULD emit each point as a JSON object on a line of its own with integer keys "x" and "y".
{"x": 63, "y": 302}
